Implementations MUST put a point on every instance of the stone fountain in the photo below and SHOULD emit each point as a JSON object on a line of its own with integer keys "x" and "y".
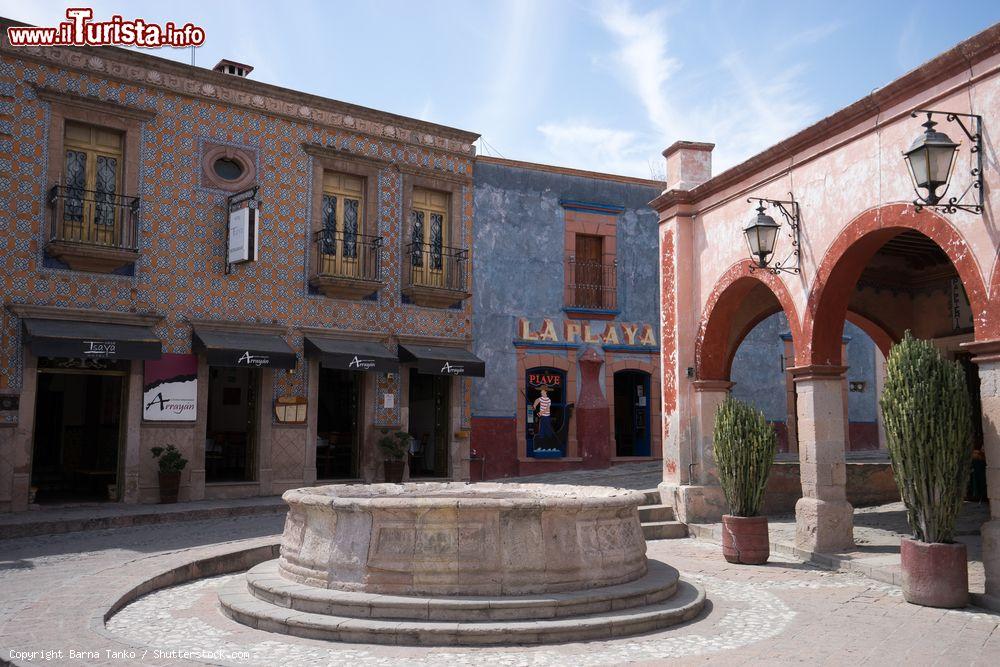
{"x": 454, "y": 563}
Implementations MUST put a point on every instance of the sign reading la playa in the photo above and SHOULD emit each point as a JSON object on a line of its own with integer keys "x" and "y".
{"x": 614, "y": 333}
{"x": 363, "y": 364}
{"x": 254, "y": 359}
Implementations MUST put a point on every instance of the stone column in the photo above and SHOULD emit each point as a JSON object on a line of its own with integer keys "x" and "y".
{"x": 701, "y": 500}
{"x": 987, "y": 357}
{"x": 24, "y": 435}
{"x": 823, "y": 517}
{"x": 593, "y": 431}
{"x": 133, "y": 434}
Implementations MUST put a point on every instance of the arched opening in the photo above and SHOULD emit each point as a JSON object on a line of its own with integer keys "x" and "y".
{"x": 632, "y": 405}
{"x": 545, "y": 410}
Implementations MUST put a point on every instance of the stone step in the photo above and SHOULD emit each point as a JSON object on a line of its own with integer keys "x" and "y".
{"x": 239, "y": 604}
{"x": 653, "y": 497}
{"x": 664, "y": 530}
{"x": 648, "y": 513}
{"x": 266, "y": 583}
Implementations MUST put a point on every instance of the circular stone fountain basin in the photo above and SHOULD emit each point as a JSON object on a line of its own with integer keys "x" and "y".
{"x": 462, "y": 539}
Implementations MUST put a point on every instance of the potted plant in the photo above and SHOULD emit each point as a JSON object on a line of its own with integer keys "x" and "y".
{"x": 394, "y": 446}
{"x": 745, "y": 445}
{"x": 171, "y": 463}
{"x": 928, "y": 428}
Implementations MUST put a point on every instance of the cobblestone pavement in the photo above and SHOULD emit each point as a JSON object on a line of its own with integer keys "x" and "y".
{"x": 642, "y": 476}
{"x": 783, "y": 612}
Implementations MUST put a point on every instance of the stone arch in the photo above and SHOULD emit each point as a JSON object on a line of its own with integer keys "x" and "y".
{"x": 738, "y": 302}
{"x": 852, "y": 250}
{"x": 883, "y": 337}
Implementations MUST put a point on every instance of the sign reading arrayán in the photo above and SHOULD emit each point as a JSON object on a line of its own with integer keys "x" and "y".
{"x": 80, "y": 30}
{"x": 247, "y": 359}
{"x": 361, "y": 364}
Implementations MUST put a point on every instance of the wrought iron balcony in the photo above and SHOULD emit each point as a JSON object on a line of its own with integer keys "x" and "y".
{"x": 92, "y": 230}
{"x": 435, "y": 275}
{"x": 347, "y": 265}
{"x": 592, "y": 285}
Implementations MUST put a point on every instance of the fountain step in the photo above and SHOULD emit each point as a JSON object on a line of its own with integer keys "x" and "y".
{"x": 265, "y": 583}
{"x": 664, "y": 530}
{"x": 239, "y": 604}
{"x": 649, "y": 513}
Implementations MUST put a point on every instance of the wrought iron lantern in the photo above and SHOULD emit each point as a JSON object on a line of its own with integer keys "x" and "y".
{"x": 931, "y": 161}
{"x": 761, "y": 234}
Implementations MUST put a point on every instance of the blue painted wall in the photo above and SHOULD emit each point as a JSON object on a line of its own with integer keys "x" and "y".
{"x": 757, "y": 370}
{"x": 518, "y": 233}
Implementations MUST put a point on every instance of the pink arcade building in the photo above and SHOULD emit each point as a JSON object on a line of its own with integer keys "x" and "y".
{"x": 826, "y": 227}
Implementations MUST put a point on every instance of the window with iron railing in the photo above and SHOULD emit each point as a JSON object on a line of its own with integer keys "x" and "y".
{"x": 593, "y": 284}
{"x": 435, "y": 266}
{"x": 348, "y": 255}
{"x": 89, "y": 207}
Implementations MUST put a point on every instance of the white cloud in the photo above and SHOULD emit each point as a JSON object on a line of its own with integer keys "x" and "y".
{"x": 742, "y": 106}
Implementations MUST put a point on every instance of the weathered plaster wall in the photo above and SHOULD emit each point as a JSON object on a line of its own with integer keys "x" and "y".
{"x": 518, "y": 236}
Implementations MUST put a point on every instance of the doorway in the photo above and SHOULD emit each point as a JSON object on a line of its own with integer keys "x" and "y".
{"x": 429, "y": 424}
{"x": 337, "y": 433}
{"x": 553, "y": 380}
{"x": 79, "y": 417}
{"x": 632, "y": 413}
{"x": 231, "y": 433}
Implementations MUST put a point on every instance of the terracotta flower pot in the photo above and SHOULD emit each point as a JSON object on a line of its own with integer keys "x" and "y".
{"x": 745, "y": 539}
{"x": 170, "y": 483}
{"x": 934, "y": 575}
{"x": 393, "y": 471}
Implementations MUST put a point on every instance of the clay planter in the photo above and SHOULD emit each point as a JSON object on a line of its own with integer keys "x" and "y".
{"x": 393, "y": 471}
{"x": 170, "y": 482}
{"x": 934, "y": 575}
{"x": 745, "y": 540}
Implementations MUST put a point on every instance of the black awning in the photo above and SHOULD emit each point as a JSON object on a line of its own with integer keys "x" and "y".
{"x": 90, "y": 340}
{"x": 351, "y": 355}
{"x": 443, "y": 360}
{"x": 243, "y": 349}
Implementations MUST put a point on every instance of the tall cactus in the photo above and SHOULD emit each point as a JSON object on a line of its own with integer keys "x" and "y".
{"x": 745, "y": 445}
{"x": 928, "y": 427}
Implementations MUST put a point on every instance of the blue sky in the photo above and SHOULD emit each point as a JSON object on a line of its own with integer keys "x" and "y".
{"x": 602, "y": 84}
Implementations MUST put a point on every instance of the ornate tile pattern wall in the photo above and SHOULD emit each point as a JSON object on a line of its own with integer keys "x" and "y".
{"x": 180, "y": 274}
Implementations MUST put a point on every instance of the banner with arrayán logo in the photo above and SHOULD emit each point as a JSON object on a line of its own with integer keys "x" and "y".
{"x": 170, "y": 388}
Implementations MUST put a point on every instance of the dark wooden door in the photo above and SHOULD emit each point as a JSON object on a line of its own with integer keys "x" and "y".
{"x": 589, "y": 274}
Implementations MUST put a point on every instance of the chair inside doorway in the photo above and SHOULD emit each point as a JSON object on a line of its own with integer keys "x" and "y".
{"x": 429, "y": 422}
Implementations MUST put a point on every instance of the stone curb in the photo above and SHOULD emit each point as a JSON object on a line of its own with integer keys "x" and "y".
{"x": 184, "y": 512}
{"x": 712, "y": 532}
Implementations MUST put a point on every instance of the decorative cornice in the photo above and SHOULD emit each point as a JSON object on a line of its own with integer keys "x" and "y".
{"x": 141, "y": 69}
{"x": 983, "y": 351}
{"x": 53, "y": 96}
{"x": 28, "y": 310}
{"x": 956, "y": 60}
{"x": 712, "y": 385}
{"x": 817, "y": 372}
{"x": 688, "y": 145}
{"x": 346, "y": 334}
{"x": 332, "y": 152}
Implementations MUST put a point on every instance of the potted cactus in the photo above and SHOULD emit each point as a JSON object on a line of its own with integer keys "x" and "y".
{"x": 171, "y": 463}
{"x": 928, "y": 426}
{"x": 744, "y": 445}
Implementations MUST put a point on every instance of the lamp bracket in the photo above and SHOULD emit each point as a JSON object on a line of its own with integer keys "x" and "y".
{"x": 974, "y": 132}
{"x": 789, "y": 209}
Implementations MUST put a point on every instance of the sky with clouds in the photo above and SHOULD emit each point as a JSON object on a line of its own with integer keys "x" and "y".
{"x": 593, "y": 84}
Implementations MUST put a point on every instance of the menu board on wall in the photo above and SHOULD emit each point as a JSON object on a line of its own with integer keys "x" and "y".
{"x": 170, "y": 388}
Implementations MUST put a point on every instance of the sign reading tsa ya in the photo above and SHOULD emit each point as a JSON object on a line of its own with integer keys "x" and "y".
{"x": 170, "y": 388}
{"x": 614, "y": 333}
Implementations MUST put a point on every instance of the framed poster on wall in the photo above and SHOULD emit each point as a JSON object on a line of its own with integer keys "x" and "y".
{"x": 170, "y": 388}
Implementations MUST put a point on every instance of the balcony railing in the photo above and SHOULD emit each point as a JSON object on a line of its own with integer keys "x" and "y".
{"x": 426, "y": 265}
{"x": 592, "y": 285}
{"x": 91, "y": 218}
{"x": 350, "y": 256}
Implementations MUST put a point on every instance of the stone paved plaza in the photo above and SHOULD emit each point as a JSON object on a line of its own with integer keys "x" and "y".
{"x": 54, "y": 589}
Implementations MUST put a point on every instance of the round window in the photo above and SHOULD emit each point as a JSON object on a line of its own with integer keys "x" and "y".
{"x": 228, "y": 169}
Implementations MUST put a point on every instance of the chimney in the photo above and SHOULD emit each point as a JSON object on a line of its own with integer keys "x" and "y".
{"x": 232, "y": 67}
{"x": 689, "y": 164}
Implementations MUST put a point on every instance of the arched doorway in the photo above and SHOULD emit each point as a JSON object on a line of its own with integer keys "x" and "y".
{"x": 632, "y": 397}
{"x": 553, "y": 381}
